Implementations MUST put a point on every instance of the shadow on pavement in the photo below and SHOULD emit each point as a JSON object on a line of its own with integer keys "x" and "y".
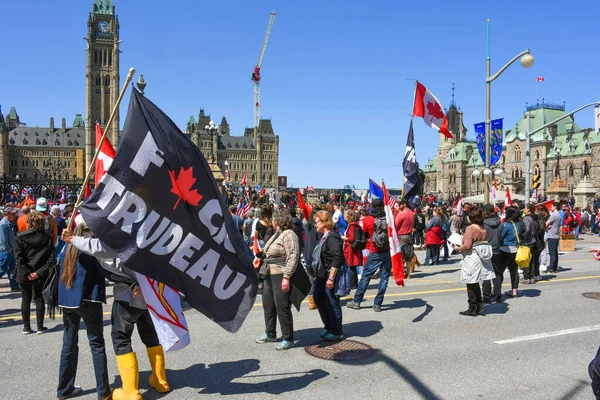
{"x": 417, "y": 275}
{"x": 219, "y": 377}
{"x": 10, "y": 296}
{"x": 496, "y": 308}
{"x": 579, "y": 386}
{"x": 308, "y": 337}
{"x": 412, "y": 303}
{"x": 400, "y": 370}
{"x": 529, "y": 293}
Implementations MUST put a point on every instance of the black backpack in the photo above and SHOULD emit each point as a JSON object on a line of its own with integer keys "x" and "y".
{"x": 360, "y": 238}
{"x": 380, "y": 237}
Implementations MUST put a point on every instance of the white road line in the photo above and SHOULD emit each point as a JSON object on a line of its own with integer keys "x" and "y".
{"x": 549, "y": 334}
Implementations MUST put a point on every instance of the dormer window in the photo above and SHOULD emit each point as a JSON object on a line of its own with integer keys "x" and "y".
{"x": 587, "y": 146}
{"x": 56, "y": 142}
{"x": 572, "y": 147}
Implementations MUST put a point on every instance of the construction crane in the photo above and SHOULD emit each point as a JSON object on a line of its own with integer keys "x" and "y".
{"x": 256, "y": 73}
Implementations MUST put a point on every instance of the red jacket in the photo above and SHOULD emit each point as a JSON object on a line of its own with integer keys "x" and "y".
{"x": 353, "y": 257}
{"x": 367, "y": 224}
{"x": 434, "y": 236}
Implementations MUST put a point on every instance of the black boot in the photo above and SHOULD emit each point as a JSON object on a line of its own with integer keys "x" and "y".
{"x": 480, "y": 309}
{"x": 471, "y": 312}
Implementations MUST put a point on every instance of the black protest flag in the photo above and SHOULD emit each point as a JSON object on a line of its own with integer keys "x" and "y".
{"x": 410, "y": 166}
{"x": 160, "y": 209}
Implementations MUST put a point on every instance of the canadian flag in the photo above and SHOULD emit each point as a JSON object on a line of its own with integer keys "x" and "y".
{"x": 429, "y": 108}
{"x": 395, "y": 253}
{"x": 105, "y": 157}
{"x": 540, "y": 79}
{"x": 311, "y": 187}
{"x": 507, "y": 203}
{"x": 458, "y": 204}
{"x": 244, "y": 181}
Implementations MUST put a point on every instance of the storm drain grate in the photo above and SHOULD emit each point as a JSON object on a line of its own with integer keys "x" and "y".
{"x": 345, "y": 350}
{"x": 592, "y": 295}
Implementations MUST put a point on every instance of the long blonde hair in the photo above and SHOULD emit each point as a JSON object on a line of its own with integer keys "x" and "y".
{"x": 70, "y": 262}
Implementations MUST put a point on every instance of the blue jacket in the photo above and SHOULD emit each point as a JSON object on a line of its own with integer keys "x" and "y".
{"x": 508, "y": 237}
{"x": 89, "y": 283}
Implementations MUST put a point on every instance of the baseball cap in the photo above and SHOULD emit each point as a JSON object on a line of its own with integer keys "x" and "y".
{"x": 41, "y": 204}
{"x": 10, "y": 210}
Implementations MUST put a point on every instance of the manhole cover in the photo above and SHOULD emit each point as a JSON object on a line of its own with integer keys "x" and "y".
{"x": 592, "y": 295}
{"x": 345, "y": 350}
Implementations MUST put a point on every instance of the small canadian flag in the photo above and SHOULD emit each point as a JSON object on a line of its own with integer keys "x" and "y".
{"x": 540, "y": 79}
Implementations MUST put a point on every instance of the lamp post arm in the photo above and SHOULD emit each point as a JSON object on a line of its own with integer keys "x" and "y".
{"x": 563, "y": 117}
{"x": 515, "y": 58}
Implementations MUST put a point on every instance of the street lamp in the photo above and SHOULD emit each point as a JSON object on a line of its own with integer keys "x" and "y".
{"x": 211, "y": 128}
{"x": 527, "y": 61}
{"x": 476, "y": 175}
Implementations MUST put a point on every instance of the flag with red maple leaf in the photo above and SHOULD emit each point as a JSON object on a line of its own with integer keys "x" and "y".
{"x": 428, "y": 107}
{"x": 159, "y": 208}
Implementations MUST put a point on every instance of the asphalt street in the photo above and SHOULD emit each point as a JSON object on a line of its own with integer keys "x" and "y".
{"x": 536, "y": 346}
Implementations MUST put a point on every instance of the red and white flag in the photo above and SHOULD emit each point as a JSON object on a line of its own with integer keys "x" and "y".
{"x": 546, "y": 204}
{"x": 507, "y": 203}
{"x": 255, "y": 250}
{"x": 105, "y": 157}
{"x": 310, "y": 188}
{"x": 244, "y": 181}
{"x": 395, "y": 253}
{"x": 428, "y": 107}
{"x": 458, "y": 204}
{"x": 540, "y": 79}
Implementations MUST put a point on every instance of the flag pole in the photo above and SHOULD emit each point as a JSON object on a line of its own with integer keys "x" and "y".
{"x": 99, "y": 145}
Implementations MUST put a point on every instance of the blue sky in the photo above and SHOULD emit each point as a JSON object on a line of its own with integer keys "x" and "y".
{"x": 336, "y": 78}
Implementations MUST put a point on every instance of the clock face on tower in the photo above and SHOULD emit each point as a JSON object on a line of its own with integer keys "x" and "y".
{"x": 103, "y": 27}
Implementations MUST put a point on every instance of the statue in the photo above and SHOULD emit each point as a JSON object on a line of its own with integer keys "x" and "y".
{"x": 586, "y": 169}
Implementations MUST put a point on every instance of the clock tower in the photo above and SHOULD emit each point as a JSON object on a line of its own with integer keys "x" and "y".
{"x": 102, "y": 74}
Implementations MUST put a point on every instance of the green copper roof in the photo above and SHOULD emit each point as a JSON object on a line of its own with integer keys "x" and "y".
{"x": 538, "y": 118}
{"x": 430, "y": 166}
{"x": 13, "y": 113}
{"x": 192, "y": 120}
{"x": 575, "y": 144}
{"x": 78, "y": 122}
{"x": 103, "y": 7}
{"x": 462, "y": 151}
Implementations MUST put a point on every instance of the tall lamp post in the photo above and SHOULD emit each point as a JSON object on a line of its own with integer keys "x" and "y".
{"x": 527, "y": 61}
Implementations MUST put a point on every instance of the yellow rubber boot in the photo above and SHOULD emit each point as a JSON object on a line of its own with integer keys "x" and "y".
{"x": 158, "y": 379}
{"x": 128, "y": 368}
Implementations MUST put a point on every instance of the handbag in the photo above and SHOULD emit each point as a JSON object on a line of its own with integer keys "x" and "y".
{"x": 343, "y": 281}
{"x": 317, "y": 269}
{"x": 523, "y": 256}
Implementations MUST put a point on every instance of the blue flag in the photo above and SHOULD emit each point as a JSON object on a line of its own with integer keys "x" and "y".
{"x": 375, "y": 189}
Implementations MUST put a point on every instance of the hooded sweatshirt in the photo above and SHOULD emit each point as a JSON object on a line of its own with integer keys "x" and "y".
{"x": 492, "y": 227}
{"x": 33, "y": 252}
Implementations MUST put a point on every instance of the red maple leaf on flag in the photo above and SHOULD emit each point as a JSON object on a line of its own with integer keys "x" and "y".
{"x": 435, "y": 110}
{"x": 182, "y": 187}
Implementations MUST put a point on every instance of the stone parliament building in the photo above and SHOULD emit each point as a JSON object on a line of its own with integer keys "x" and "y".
{"x": 564, "y": 147}
{"x": 55, "y": 153}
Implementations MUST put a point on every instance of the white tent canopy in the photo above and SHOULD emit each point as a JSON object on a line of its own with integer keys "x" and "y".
{"x": 499, "y": 197}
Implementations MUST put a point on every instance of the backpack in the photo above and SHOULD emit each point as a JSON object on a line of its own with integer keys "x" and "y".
{"x": 360, "y": 238}
{"x": 574, "y": 222}
{"x": 419, "y": 221}
{"x": 380, "y": 237}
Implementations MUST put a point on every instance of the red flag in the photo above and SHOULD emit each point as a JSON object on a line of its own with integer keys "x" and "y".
{"x": 540, "y": 79}
{"x": 105, "y": 157}
{"x": 507, "y": 203}
{"x": 303, "y": 206}
{"x": 88, "y": 191}
{"x": 547, "y": 204}
{"x": 428, "y": 107}
{"x": 395, "y": 253}
{"x": 255, "y": 249}
{"x": 244, "y": 181}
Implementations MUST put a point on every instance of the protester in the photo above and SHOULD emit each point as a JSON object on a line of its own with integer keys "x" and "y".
{"x": 477, "y": 260}
{"x": 60, "y": 225}
{"x": 81, "y": 293}
{"x": 379, "y": 257}
{"x": 7, "y": 243}
{"x": 553, "y": 225}
{"x": 532, "y": 239}
{"x": 41, "y": 206}
{"x": 512, "y": 232}
{"x": 22, "y": 220}
{"x": 434, "y": 238}
{"x": 404, "y": 223}
{"x": 419, "y": 227}
{"x": 237, "y": 221}
{"x": 34, "y": 256}
{"x": 129, "y": 310}
{"x": 352, "y": 250}
{"x": 264, "y": 226}
{"x": 280, "y": 256}
{"x": 492, "y": 225}
{"x": 330, "y": 254}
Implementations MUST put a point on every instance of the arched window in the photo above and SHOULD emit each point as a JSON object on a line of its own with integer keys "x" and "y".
{"x": 587, "y": 146}
{"x": 512, "y": 174}
{"x": 537, "y": 155}
{"x": 570, "y": 169}
{"x": 517, "y": 153}
{"x": 536, "y": 170}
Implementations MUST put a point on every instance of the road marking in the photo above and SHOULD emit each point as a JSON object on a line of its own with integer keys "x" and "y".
{"x": 405, "y": 294}
{"x": 549, "y": 334}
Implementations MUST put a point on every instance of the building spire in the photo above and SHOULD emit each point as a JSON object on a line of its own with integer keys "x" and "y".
{"x": 453, "y": 103}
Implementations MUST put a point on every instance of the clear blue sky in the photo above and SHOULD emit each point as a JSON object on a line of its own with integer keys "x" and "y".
{"x": 336, "y": 75}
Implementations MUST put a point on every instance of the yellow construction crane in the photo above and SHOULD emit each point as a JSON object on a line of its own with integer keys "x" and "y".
{"x": 256, "y": 73}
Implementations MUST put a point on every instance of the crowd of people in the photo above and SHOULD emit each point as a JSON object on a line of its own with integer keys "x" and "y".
{"x": 337, "y": 247}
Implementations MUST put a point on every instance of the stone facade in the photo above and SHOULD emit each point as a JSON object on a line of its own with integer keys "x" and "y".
{"x": 565, "y": 144}
{"x": 65, "y": 152}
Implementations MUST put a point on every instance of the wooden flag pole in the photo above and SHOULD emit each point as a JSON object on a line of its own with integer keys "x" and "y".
{"x": 99, "y": 145}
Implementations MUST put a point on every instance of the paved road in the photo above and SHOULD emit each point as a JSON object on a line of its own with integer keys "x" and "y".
{"x": 533, "y": 347}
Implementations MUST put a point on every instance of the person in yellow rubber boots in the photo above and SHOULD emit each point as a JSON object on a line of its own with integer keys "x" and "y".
{"x": 129, "y": 309}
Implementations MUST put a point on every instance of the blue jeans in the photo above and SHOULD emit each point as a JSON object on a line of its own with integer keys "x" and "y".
{"x": 374, "y": 262}
{"x": 328, "y": 305}
{"x": 553, "y": 250}
{"x": 91, "y": 313}
{"x": 7, "y": 265}
{"x": 577, "y": 232}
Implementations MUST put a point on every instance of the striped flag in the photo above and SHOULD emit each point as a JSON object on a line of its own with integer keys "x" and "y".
{"x": 395, "y": 253}
{"x": 458, "y": 204}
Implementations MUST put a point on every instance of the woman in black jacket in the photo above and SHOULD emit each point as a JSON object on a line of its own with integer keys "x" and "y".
{"x": 331, "y": 256}
{"x": 34, "y": 255}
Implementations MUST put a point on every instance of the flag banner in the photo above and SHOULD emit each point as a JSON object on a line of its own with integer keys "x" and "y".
{"x": 244, "y": 181}
{"x": 395, "y": 250}
{"x": 105, "y": 157}
{"x": 496, "y": 134}
{"x": 507, "y": 203}
{"x": 458, "y": 204}
{"x": 160, "y": 209}
{"x": 303, "y": 206}
{"x": 428, "y": 107}
{"x": 540, "y": 79}
{"x": 547, "y": 204}
{"x": 164, "y": 306}
{"x": 375, "y": 189}
{"x": 410, "y": 166}
{"x": 493, "y": 194}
